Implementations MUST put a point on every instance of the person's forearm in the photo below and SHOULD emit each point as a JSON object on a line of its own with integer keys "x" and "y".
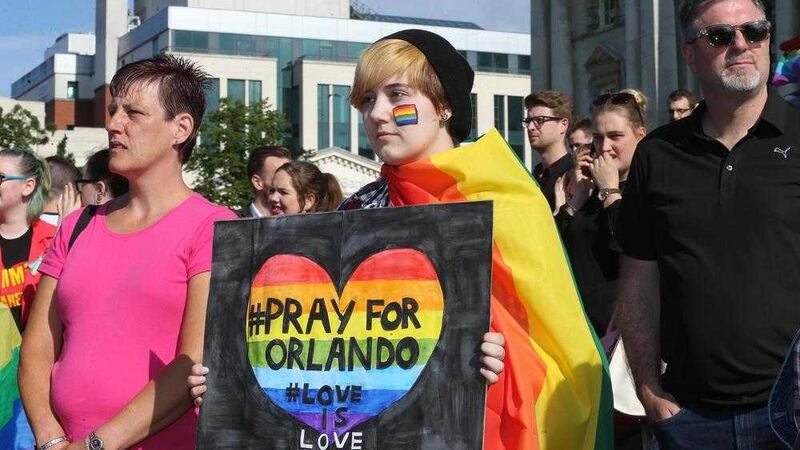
{"x": 40, "y": 347}
{"x": 638, "y": 312}
{"x": 34, "y": 388}
{"x": 161, "y": 402}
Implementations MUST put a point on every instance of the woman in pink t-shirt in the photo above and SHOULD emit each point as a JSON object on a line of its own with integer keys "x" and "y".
{"x": 119, "y": 316}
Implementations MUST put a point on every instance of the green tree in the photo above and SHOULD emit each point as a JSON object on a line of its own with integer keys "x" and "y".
{"x": 19, "y": 128}
{"x": 226, "y": 135}
{"x": 61, "y": 150}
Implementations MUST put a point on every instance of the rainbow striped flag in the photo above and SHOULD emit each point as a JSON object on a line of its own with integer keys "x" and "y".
{"x": 556, "y": 393}
{"x": 15, "y": 433}
{"x": 405, "y": 115}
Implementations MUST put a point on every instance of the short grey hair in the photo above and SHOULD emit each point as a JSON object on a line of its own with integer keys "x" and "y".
{"x": 690, "y": 11}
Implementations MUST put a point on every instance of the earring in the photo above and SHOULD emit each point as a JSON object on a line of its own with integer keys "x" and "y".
{"x": 98, "y": 199}
{"x": 444, "y": 117}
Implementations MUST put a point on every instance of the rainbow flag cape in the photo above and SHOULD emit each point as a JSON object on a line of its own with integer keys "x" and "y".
{"x": 15, "y": 433}
{"x": 555, "y": 392}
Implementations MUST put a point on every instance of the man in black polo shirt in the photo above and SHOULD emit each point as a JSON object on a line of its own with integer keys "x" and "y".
{"x": 548, "y": 115}
{"x": 710, "y": 226}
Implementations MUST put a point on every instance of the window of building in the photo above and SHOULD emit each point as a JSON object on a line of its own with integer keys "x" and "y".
{"x": 364, "y": 149}
{"x": 323, "y": 119}
{"x": 524, "y": 63}
{"x": 473, "y": 134}
{"x": 254, "y": 91}
{"x": 311, "y": 47}
{"x": 326, "y": 50}
{"x": 484, "y": 60}
{"x": 516, "y": 134}
{"x": 609, "y": 13}
{"x": 500, "y": 114}
{"x": 236, "y": 90}
{"x": 341, "y": 116}
{"x": 196, "y": 41}
{"x": 72, "y": 89}
{"x": 212, "y": 95}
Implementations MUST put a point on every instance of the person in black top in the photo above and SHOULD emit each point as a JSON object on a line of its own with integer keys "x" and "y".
{"x": 710, "y": 229}
{"x": 588, "y": 198}
{"x": 548, "y": 115}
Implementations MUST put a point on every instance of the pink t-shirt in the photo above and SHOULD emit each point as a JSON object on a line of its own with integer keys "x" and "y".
{"x": 121, "y": 299}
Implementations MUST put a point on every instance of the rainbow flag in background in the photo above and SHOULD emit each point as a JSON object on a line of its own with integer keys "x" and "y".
{"x": 556, "y": 393}
{"x": 15, "y": 433}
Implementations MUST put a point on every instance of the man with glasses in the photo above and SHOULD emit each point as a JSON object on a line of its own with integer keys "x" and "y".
{"x": 547, "y": 119}
{"x": 709, "y": 229}
{"x": 680, "y": 104}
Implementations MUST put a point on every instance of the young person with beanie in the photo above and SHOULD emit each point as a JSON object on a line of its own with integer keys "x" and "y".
{"x": 545, "y": 370}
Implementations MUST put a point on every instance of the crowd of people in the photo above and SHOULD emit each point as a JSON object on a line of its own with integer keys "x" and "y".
{"x": 681, "y": 241}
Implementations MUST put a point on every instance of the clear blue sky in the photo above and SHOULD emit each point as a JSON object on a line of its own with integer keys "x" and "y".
{"x": 28, "y": 27}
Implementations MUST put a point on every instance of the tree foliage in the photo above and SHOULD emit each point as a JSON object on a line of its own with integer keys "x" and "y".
{"x": 61, "y": 150}
{"x": 19, "y": 128}
{"x": 220, "y": 160}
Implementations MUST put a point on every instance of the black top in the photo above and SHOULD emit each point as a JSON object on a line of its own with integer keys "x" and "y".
{"x": 14, "y": 252}
{"x": 724, "y": 227}
{"x": 589, "y": 238}
{"x": 547, "y": 177}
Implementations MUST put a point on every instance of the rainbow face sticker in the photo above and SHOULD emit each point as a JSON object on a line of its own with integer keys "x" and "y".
{"x": 405, "y": 115}
{"x": 334, "y": 361}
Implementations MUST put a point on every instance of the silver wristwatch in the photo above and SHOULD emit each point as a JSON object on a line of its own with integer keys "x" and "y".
{"x": 604, "y": 193}
{"x": 93, "y": 442}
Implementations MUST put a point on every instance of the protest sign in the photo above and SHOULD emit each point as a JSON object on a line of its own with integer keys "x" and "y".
{"x": 349, "y": 330}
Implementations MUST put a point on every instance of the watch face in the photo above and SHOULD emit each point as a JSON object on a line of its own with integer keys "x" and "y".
{"x": 95, "y": 443}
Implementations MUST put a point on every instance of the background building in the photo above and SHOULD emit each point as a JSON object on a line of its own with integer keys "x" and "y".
{"x": 588, "y": 47}
{"x": 300, "y": 55}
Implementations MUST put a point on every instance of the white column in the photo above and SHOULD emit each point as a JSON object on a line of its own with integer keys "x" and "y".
{"x": 632, "y": 44}
{"x": 540, "y": 44}
{"x": 649, "y": 58}
{"x": 111, "y": 22}
{"x": 561, "y": 60}
{"x": 668, "y": 62}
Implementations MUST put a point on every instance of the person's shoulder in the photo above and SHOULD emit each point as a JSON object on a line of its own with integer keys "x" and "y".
{"x": 202, "y": 207}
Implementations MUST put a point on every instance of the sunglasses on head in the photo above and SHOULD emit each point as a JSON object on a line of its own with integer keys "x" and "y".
{"x": 619, "y": 98}
{"x": 723, "y": 35}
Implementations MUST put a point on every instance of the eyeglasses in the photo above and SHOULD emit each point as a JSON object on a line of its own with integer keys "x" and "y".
{"x": 4, "y": 177}
{"x": 538, "y": 121}
{"x": 619, "y": 98}
{"x": 723, "y": 35}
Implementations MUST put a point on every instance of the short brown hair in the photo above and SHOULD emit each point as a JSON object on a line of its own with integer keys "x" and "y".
{"x": 255, "y": 162}
{"x": 691, "y": 9}
{"x": 62, "y": 173}
{"x": 558, "y": 102}
{"x": 308, "y": 179}
{"x": 583, "y": 124}
{"x": 679, "y": 94}
{"x": 181, "y": 89}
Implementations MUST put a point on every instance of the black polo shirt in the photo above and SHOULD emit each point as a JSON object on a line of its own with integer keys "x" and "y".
{"x": 546, "y": 177}
{"x": 724, "y": 227}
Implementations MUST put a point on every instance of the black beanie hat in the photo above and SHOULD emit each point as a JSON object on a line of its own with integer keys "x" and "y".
{"x": 453, "y": 71}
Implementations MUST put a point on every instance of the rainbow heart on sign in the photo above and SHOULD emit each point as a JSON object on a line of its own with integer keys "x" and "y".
{"x": 332, "y": 361}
